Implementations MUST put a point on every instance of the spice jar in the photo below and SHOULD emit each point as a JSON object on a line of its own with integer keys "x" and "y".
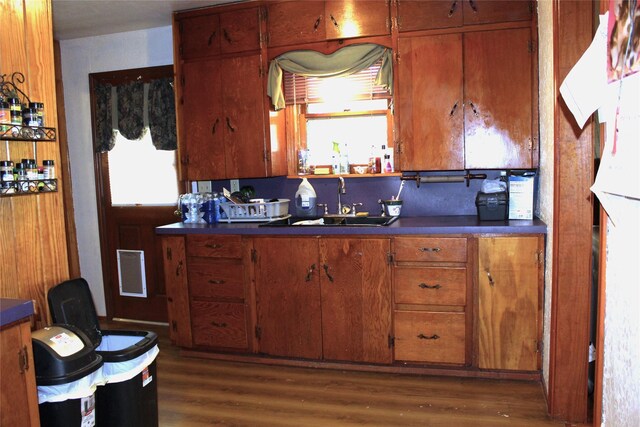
{"x": 21, "y": 177}
{"x": 48, "y": 170}
{"x": 5, "y": 116}
{"x": 15, "y": 111}
{"x": 7, "y": 184}
{"x": 39, "y": 107}
{"x": 30, "y": 117}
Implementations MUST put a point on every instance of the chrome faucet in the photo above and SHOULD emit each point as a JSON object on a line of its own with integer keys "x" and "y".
{"x": 342, "y": 189}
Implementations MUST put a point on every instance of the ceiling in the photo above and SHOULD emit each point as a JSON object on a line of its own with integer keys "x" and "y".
{"x": 85, "y": 18}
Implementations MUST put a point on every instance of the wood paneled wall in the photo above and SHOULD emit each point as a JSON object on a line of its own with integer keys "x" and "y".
{"x": 33, "y": 245}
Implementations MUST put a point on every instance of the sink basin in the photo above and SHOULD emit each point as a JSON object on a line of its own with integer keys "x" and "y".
{"x": 332, "y": 221}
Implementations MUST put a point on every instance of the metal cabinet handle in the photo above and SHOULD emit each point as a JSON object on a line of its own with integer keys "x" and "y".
{"x": 335, "y": 23}
{"x": 230, "y": 126}
{"x": 453, "y": 8}
{"x": 23, "y": 359}
{"x": 432, "y": 337}
{"x": 179, "y": 269}
{"x": 453, "y": 109}
{"x": 326, "y": 271}
{"x": 491, "y": 282}
{"x": 310, "y": 273}
{"x": 211, "y": 38}
{"x": 425, "y": 286}
{"x": 216, "y": 282}
{"x": 226, "y": 36}
{"x": 317, "y": 23}
{"x": 473, "y": 108}
{"x": 213, "y": 246}
{"x": 213, "y": 128}
{"x": 473, "y": 6}
{"x": 429, "y": 249}
{"x": 218, "y": 325}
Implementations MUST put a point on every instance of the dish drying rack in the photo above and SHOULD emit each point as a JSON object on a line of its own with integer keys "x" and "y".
{"x": 258, "y": 211}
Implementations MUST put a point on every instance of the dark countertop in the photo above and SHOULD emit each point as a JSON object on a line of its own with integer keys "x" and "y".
{"x": 467, "y": 224}
{"x": 12, "y": 310}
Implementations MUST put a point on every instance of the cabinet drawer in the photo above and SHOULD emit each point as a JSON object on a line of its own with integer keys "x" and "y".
{"x": 215, "y": 278}
{"x": 217, "y": 324}
{"x": 214, "y": 246}
{"x": 439, "y": 286}
{"x": 432, "y": 249}
{"x": 430, "y": 337}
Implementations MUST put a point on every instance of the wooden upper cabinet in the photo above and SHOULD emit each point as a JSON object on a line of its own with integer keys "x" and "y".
{"x": 509, "y": 307}
{"x": 291, "y": 22}
{"x": 493, "y": 11}
{"x": 240, "y": 30}
{"x": 243, "y": 118}
{"x": 199, "y": 36}
{"x": 498, "y": 99}
{"x": 296, "y": 22}
{"x": 354, "y": 18}
{"x": 202, "y": 126}
{"x": 430, "y": 103}
{"x": 416, "y": 15}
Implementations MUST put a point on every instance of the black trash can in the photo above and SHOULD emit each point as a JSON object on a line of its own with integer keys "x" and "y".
{"x": 67, "y": 373}
{"x": 130, "y": 396}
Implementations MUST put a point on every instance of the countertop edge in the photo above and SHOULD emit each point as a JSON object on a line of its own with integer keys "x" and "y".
{"x": 403, "y": 226}
{"x": 12, "y": 310}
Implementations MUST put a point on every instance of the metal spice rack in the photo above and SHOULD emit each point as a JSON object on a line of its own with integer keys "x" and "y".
{"x": 27, "y": 133}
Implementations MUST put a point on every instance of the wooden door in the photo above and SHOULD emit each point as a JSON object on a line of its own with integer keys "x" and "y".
{"x": 19, "y": 402}
{"x": 202, "y": 128}
{"x": 355, "y": 18}
{"x": 509, "y": 305}
{"x": 294, "y": 22}
{"x": 356, "y": 300}
{"x": 430, "y": 102}
{"x": 491, "y": 11}
{"x": 199, "y": 36}
{"x": 424, "y": 15}
{"x": 288, "y": 297}
{"x": 240, "y": 30}
{"x": 498, "y": 99}
{"x": 243, "y": 117}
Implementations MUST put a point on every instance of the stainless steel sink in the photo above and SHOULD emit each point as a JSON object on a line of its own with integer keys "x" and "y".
{"x": 332, "y": 221}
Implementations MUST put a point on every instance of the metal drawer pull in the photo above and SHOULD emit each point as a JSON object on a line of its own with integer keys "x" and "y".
{"x": 429, "y": 249}
{"x": 310, "y": 273}
{"x": 211, "y": 38}
{"x": 213, "y": 246}
{"x": 226, "y": 36}
{"x": 215, "y": 125}
{"x": 216, "y": 282}
{"x": 453, "y": 109}
{"x": 473, "y": 6}
{"x": 425, "y": 286}
{"x": 179, "y": 269}
{"x": 453, "y": 8}
{"x": 219, "y": 325}
{"x": 432, "y": 337}
{"x": 335, "y": 23}
{"x": 315, "y": 26}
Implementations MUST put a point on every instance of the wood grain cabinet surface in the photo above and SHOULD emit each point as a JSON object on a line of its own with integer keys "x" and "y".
{"x": 465, "y": 100}
{"x": 324, "y": 298}
{"x": 431, "y": 288}
{"x": 296, "y": 22}
{"x": 416, "y": 15}
{"x": 510, "y": 302}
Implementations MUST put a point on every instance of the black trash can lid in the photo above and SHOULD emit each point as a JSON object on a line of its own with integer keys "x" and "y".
{"x": 71, "y": 303}
{"x": 62, "y": 354}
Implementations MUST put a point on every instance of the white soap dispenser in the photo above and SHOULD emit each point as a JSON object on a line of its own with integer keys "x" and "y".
{"x": 305, "y": 200}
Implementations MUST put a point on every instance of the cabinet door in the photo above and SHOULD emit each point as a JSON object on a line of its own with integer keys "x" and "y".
{"x": 356, "y": 300}
{"x": 430, "y": 102}
{"x": 240, "y": 30}
{"x": 423, "y": 15}
{"x": 508, "y": 312}
{"x": 355, "y": 18}
{"x": 202, "y": 124}
{"x": 288, "y": 297}
{"x": 491, "y": 11}
{"x": 175, "y": 278}
{"x": 199, "y": 36}
{"x": 498, "y": 99}
{"x": 243, "y": 120}
{"x": 294, "y": 22}
{"x": 19, "y": 394}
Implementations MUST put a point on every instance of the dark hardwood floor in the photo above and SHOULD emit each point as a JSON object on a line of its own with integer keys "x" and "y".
{"x": 203, "y": 392}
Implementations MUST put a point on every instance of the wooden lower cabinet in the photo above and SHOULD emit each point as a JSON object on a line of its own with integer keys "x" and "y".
{"x": 324, "y": 298}
{"x": 510, "y": 302}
